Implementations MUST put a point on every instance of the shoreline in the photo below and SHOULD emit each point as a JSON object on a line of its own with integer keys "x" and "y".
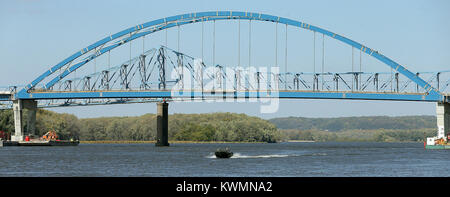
{"x": 217, "y": 142}
{"x": 170, "y": 142}
{"x": 309, "y": 141}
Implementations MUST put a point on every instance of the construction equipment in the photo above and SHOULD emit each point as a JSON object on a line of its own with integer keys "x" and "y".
{"x": 51, "y": 135}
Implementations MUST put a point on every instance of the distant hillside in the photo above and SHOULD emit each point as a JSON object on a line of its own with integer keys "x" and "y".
{"x": 355, "y": 123}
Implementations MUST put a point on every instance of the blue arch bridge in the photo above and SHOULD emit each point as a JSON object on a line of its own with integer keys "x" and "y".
{"x": 163, "y": 74}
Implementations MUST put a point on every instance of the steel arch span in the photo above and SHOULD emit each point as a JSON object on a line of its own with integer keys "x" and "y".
{"x": 89, "y": 53}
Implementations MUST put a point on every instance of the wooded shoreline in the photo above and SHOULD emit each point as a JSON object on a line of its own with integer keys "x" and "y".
{"x": 229, "y": 128}
{"x": 153, "y": 141}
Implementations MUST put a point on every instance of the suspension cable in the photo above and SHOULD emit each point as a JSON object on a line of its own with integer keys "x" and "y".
{"x": 249, "y": 42}
{"x": 276, "y": 44}
{"x": 202, "y": 38}
{"x": 130, "y": 52}
{"x": 109, "y": 59}
{"x": 239, "y": 42}
{"x": 178, "y": 40}
{"x": 323, "y": 57}
{"x": 285, "y": 59}
{"x": 314, "y": 54}
{"x": 360, "y": 68}
{"x": 353, "y": 70}
{"x": 392, "y": 80}
{"x": 214, "y": 42}
{"x": 166, "y": 36}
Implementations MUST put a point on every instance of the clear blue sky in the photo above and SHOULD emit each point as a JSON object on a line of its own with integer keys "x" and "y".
{"x": 35, "y": 35}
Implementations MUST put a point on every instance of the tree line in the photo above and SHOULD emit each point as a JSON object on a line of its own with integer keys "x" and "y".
{"x": 66, "y": 125}
{"x": 356, "y": 123}
{"x": 379, "y": 135}
{"x": 182, "y": 127}
{"x": 230, "y": 127}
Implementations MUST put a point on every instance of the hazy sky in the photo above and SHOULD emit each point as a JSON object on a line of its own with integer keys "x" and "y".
{"x": 35, "y": 35}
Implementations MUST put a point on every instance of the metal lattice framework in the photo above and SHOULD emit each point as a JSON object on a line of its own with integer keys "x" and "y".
{"x": 146, "y": 77}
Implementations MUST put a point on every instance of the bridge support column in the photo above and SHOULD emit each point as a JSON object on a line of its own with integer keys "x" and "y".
{"x": 18, "y": 127}
{"x": 18, "y": 106}
{"x": 31, "y": 106}
{"x": 162, "y": 126}
{"x": 443, "y": 119}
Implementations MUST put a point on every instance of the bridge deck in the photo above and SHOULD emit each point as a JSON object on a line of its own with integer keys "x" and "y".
{"x": 5, "y": 95}
{"x": 286, "y": 94}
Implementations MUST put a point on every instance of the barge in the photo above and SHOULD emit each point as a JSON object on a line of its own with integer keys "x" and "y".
{"x": 439, "y": 142}
{"x": 40, "y": 143}
{"x": 8, "y": 143}
{"x": 49, "y": 139}
{"x": 49, "y": 143}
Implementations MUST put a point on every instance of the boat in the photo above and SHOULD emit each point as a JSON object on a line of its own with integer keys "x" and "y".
{"x": 223, "y": 153}
{"x": 438, "y": 142}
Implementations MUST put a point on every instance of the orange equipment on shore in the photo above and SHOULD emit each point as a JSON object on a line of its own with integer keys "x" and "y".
{"x": 3, "y": 135}
{"x": 440, "y": 141}
{"x": 51, "y": 135}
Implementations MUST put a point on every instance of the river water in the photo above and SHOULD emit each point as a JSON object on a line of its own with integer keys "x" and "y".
{"x": 290, "y": 159}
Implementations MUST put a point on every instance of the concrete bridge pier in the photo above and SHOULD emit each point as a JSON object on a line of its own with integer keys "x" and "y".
{"x": 18, "y": 127}
{"x": 443, "y": 119}
{"x": 162, "y": 126}
{"x": 18, "y": 106}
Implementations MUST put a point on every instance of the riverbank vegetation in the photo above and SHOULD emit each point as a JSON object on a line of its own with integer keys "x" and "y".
{"x": 230, "y": 127}
{"x": 358, "y": 129}
{"x": 182, "y": 127}
{"x": 225, "y": 127}
{"x": 66, "y": 125}
{"x": 379, "y": 135}
{"x": 356, "y": 123}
